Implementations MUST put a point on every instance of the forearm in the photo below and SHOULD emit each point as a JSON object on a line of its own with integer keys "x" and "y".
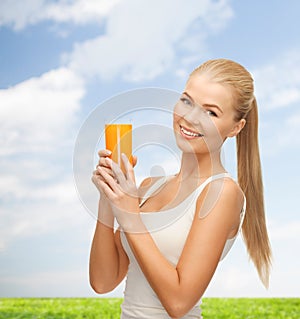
{"x": 179, "y": 287}
{"x": 104, "y": 259}
{"x": 160, "y": 273}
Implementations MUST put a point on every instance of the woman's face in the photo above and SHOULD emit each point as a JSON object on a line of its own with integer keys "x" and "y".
{"x": 204, "y": 116}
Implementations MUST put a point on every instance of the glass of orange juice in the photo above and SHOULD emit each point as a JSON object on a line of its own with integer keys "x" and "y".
{"x": 118, "y": 139}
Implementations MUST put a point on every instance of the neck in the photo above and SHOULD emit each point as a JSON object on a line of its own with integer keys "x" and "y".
{"x": 200, "y": 166}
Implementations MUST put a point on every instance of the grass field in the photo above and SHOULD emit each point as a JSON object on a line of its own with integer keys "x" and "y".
{"x": 109, "y": 308}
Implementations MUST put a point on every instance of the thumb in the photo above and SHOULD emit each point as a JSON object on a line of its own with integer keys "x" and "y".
{"x": 134, "y": 160}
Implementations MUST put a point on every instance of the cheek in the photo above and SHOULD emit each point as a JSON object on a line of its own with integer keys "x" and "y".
{"x": 179, "y": 110}
{"x": 214, "y": 135}
{"x": 225, "y": 128}
{"x": 220, "y": 132}
{"x": 176, "y": 114}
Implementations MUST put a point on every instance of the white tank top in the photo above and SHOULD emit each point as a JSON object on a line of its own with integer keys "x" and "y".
{"x": 169, "y": 230}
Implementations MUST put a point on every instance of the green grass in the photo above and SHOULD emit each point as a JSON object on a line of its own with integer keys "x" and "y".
{"x": 109, "y": 308}
{"x": 251, "y": 308}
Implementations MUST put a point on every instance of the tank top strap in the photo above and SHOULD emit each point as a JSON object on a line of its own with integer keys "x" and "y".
{"x": 223, "y": 175}
{"x": 211, "y": 179}
{"x": 161, "y": 181}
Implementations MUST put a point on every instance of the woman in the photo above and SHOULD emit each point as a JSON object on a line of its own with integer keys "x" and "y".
{"x": 175, "y": 230}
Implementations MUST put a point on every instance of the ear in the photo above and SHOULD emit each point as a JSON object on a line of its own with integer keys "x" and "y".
{"x": 237, "y": 128}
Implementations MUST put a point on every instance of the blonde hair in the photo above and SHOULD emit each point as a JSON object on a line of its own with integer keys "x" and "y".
{"x": 254, "y": 229}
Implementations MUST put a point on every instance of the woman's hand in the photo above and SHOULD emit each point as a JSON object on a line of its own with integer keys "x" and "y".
{"x": 103, "y": 164}
{"x": 96, "y": 177}
{"x": 120, "y": 189}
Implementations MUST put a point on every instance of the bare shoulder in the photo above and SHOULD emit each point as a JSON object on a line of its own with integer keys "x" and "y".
{"x": 223, "y": 195}
{"x": 231, "y": 189}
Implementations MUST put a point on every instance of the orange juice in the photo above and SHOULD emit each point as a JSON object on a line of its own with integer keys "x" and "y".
{"x": 118, "y": 139}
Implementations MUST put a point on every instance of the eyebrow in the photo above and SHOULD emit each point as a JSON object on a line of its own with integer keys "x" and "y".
{"x": 205, "y": 104}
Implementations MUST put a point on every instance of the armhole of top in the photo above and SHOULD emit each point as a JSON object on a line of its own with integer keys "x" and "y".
{"x": 243, "y": 213}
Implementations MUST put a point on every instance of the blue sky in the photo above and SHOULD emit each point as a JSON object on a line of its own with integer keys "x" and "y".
{"x": 60, "y": 59}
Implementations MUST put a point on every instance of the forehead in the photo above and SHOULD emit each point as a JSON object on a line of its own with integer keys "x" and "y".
{"x": 205, "y": 91}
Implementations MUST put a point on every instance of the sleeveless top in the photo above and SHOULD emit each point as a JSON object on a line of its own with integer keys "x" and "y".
{"x": 169, "y": 229}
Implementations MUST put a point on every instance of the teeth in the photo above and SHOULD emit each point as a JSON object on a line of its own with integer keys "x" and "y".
{"x": 189, "y": 133}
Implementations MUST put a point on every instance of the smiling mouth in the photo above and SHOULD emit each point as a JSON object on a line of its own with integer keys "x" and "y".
{"x": 188, "y": 133}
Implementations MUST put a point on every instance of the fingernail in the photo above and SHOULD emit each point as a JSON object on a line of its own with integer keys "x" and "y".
{"x": 108, "y": 161}
{"x": 108, "y": 152}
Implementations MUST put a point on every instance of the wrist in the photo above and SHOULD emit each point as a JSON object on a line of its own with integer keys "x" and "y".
{"x": 131, "y": 222}
{"x": 105, "y": 215}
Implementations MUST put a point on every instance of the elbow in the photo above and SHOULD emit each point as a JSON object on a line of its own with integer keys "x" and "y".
{"x": 102, "y": 283}
{"x": 177, "y": 309}
{"x": 98, "y": 288}
{"x": 175, "y": 312}
{"x": 101, "y": 288}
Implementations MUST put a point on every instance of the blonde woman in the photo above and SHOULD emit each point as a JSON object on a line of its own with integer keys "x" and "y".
{"x": 175, "y": 230}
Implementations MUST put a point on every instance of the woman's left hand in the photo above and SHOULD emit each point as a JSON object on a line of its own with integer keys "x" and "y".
{"x": 122, "y": 193}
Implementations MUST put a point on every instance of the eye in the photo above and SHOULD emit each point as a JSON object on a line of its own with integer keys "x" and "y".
{"x": 211, "y": 113}
{"x": 186, "y": 101}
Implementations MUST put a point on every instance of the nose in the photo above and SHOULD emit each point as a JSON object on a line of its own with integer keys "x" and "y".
{"x": 193, "y": 116}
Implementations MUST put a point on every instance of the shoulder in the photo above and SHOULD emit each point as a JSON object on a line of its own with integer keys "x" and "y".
{"x": 233, "y": 192}
{"x": 223, "y": 195}
{"x": 225, "y": 189}
{"x": 230, "y": 189}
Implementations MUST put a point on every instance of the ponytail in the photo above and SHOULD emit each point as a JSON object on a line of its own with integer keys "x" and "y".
{"x": 250, "y": 180}
{"x": 227, "y": 72}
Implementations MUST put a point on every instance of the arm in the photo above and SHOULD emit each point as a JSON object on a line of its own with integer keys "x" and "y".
{"x": 180, "y": 287}
{"x": 108, "y": 261}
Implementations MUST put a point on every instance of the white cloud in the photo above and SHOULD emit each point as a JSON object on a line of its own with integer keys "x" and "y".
{"x": 37, "y": 113}
{"x": 20, "y": 14}
{"x": 80, "y": 11}
{"x": 278, "y": 83}
{"x": 281, "y": 133}
{"x": 73, "y": 282}
{"x": 37, "y": 124}
{"x": 237, "y": 277}
{"x": 291, "y": 129}
{"x": 33, "y": 209}
{"x": 277, "y": 86}
{"x": 144, "y": 40}
{"x": 33, "y": 285}
{"x": 38, "y": 197}
{"x": 289, "y": 230}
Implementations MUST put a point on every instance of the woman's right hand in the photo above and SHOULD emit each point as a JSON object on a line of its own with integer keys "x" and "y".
{"x": 96, "y": 177}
